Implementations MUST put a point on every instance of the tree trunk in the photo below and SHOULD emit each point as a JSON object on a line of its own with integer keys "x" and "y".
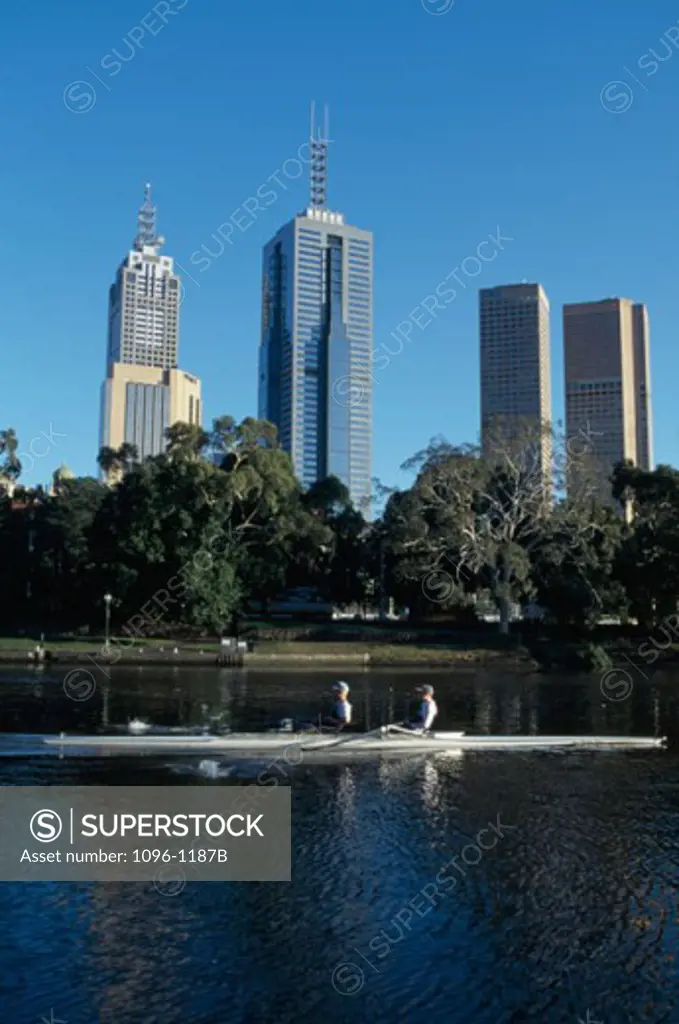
{"x": 503, "y": 602}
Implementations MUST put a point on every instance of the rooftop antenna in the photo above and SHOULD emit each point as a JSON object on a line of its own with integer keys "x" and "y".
{"x": 146, "y": 222}
{"x": 319, "y": 160}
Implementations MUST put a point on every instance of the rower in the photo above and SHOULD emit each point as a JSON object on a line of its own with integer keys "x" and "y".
{"x": 340, "y": 717}
{"x": 341, "y": 712}
{"x": 425, "y": 710}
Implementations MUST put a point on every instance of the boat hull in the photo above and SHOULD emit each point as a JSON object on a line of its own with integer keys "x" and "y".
{"x": 294, "y": 747}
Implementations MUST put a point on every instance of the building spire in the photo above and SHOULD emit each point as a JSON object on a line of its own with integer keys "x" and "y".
{"x": 319, "y": 160}
{"x": 146, "y": 222}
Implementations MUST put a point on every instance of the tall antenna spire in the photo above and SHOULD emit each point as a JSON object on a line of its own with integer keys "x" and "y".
{"x": 146, "y": 221}
{"x": 319, "y": 161}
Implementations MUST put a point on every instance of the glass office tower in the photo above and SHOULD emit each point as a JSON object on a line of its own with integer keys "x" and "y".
{"x": 316, "y": 345}
{"x": 516, "y": 393}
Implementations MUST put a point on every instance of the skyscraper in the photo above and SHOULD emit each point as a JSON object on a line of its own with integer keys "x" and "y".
{"x": 316, "y": 342}
{"x": 607, "y": 381}
{"x": 515, "y": 368}
{"x": 144, "y": 393}
{"x": 143, "y": 305}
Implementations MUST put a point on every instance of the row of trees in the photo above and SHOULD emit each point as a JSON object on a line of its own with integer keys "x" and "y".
{"x": 191, "y": 537}
{"x": 186, "y": 538}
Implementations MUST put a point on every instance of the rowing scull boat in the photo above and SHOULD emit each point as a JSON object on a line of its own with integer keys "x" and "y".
{"x": 292, "y": 745}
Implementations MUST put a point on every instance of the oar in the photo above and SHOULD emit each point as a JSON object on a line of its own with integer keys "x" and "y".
{"x": 345, "y": 739}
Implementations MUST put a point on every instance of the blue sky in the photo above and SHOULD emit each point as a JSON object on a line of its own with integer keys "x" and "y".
{"x": 445, "y": 127}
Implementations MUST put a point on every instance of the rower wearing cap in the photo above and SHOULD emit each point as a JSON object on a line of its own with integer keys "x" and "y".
{"x": 425, "y": 710}
{"x": 341, "y": 711}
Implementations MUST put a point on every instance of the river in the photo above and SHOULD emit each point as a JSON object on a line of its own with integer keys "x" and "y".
{"x": 569, "y": 915}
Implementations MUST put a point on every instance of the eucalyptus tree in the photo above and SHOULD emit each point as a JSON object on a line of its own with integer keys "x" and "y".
{"x": 475, "y": 518}
{"x": 649, "y": 558}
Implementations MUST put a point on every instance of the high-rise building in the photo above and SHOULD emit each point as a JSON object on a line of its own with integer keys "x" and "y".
{"x": 515, "y": 369}
{"x": 316, "y": 342}
{"x": 144, "y": 392}
{"x": 607, "y": 381}
{"x": 144, "y": 301}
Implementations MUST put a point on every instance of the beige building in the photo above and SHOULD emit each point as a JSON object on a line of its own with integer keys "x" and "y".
{"x": 515, "y": 367}
{"x": 607, "y": 382}
{"x": 139, "y": 403}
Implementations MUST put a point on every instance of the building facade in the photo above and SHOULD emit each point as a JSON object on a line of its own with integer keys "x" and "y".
{"x": 316, "y": 343}
{"x": 139, "y": 403}
{"x": 642, "y": 378}
{"x": 144, "y": 392}
{"x": 607, "y": 382}
{"x": 515, "y": 369}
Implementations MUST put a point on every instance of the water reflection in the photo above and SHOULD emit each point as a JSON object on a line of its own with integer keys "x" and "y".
{"x": 489, "y": 887}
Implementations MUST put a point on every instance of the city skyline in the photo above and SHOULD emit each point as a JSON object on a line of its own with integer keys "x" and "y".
{"x": 146, "y": 393}
{"x": 429, "y": 195}
{"x": 317, "y": 296}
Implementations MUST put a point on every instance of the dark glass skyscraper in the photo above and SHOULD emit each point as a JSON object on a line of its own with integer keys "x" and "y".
{"x": 316, "y": 345}
{"x": 515, "y": 369}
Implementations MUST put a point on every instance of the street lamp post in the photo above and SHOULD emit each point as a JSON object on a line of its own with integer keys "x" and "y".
{"x": 107, "y": 624}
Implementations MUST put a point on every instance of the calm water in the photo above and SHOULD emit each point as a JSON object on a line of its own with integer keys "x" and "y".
{"x": 573, "y": 910}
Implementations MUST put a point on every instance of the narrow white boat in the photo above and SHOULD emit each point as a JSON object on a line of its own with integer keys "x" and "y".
{"x": 292, "y": 745}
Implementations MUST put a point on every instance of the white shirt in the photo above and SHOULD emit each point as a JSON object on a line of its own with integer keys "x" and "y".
{"x": 432, "y": 712}
{"x": 427, "y": 712}
{"x": 342, "y": 711}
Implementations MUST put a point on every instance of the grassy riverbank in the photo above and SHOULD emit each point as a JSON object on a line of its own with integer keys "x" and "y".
{"x": 271, "y": 653}
{"x": 379, "y": 654}
{"x": 274, "y": 646}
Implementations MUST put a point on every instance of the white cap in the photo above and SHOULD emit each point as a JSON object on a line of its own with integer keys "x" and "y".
{"x": 340, "y": 687}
